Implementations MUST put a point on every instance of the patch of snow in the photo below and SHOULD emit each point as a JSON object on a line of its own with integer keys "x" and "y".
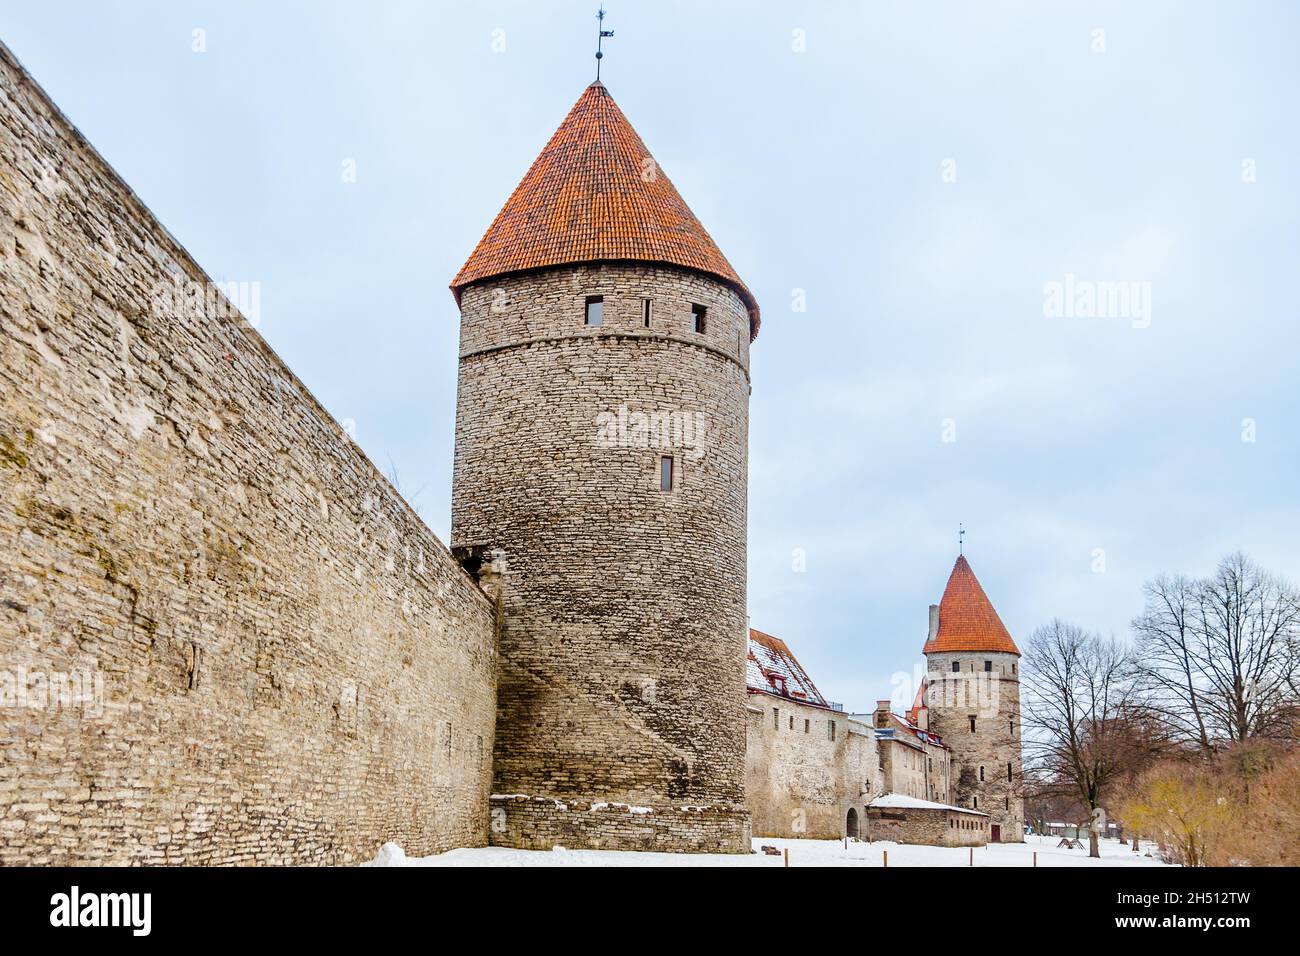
{"x": 802, "y": 853}
{"x": 900, "y": 801}
{"x": 390, "y": 854}
{"x": 620, "y": 806}
{"x": 524, "y": 796}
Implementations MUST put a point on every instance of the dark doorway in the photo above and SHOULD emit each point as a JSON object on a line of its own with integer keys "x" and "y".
{"x": 997, "y": 833}
{"x": 851, "y": 824}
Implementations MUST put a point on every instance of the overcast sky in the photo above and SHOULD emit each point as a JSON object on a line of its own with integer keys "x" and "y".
{"x": 920, "y": 170}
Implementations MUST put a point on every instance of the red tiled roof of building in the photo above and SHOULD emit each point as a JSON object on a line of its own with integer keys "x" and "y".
{"x": 918, "y": 704}
{"x": 595, "y": 195}
{"x": 772, "y": 668}
{"x": 967, "y": 621}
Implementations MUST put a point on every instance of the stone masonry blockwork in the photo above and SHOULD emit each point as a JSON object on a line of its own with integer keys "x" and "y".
{"x": 623, "y": 636}
{"x": 294, "y": 669}
{"x": 992, "y": 700}
{"x": 802, "y": 782}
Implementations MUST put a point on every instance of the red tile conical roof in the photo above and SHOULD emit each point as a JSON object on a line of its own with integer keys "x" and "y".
{"x": 595, "y": 194}
{"x": 967, "y": 621}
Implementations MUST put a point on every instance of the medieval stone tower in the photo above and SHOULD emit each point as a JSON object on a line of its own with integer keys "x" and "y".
{"x": 973, "y": 702}
{"x": 600, "y": 484}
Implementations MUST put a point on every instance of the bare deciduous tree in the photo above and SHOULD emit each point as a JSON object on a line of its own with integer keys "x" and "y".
{"x": 1167, "y": 659}
{"x": 1217, "y": 657}
{"x": 1077, "y": 702}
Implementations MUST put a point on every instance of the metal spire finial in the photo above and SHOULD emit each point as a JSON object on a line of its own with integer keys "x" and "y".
{"x": 961, "y": 538}
{"x": 601, "y": 33}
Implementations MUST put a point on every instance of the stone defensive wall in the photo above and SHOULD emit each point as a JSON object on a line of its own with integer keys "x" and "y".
{"x": 224, "y": 637}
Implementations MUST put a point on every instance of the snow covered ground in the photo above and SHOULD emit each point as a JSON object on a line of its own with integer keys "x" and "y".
{"x": 802, "y": 853}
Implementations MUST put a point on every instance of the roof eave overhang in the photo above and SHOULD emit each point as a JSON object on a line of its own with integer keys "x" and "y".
{"x": 938, "y": 649}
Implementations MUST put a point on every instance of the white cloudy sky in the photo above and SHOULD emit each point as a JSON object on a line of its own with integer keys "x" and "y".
{"x": 818, "y": 170}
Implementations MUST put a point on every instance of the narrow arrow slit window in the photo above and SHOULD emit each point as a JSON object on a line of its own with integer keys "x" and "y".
{"x": 697, "y": 319}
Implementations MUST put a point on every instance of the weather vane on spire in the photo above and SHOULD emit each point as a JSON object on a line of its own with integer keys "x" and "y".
{"x": 961, "y": 538}
{"x": 601, "y": 33}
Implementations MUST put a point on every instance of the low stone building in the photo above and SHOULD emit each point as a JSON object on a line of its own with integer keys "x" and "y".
{"x": 811, "y": 768}
{"x": 905, "y": 819}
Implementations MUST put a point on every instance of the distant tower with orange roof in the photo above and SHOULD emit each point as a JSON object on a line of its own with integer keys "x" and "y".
{"x": 972, "y": 697}
{"x": 600, "y": 477}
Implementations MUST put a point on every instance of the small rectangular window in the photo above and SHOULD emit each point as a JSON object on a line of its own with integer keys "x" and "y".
{"x": 697, "y": 318}
{"x": 792, "y": 723}
{"x": 988, "y": 667}
{"x": 807, "y": 725}
{"x": 832, "y": 729}
{"x": 1008, "y": 773}
{"x": 956, "y": 667}
{"x": 972, "y": 725}
{"x": 666, "y": 473}
{"x": 646, "y": 309}
{"x": 595, "y": 310}
{"x": 776, "y": 718}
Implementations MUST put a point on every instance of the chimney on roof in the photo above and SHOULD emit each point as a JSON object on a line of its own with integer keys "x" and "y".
{"x": 882, "y": 713}
{"x": 934, "y": 623}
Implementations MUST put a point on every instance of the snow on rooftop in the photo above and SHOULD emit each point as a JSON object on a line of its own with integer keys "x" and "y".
{"x": 770, "y": 667}
{"x": 899, "y": 801}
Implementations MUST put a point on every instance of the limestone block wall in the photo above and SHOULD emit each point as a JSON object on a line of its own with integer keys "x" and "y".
{"x": 224, "y": 638}
{"x": 624, "y": 635}
{"x": 986, "y": 769}
{"x": 904, "y": 768}
{"x": 911, "y": 766}
{"x": 927, "y": 826}
{"x": 801, "y": 783}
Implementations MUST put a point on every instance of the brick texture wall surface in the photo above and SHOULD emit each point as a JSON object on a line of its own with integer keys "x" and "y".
{"x": 623, "y": 640}
{"x": 282, "y": 664}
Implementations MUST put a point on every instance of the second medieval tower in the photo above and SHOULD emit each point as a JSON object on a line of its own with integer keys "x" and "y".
{"x": 972, "y": 695}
